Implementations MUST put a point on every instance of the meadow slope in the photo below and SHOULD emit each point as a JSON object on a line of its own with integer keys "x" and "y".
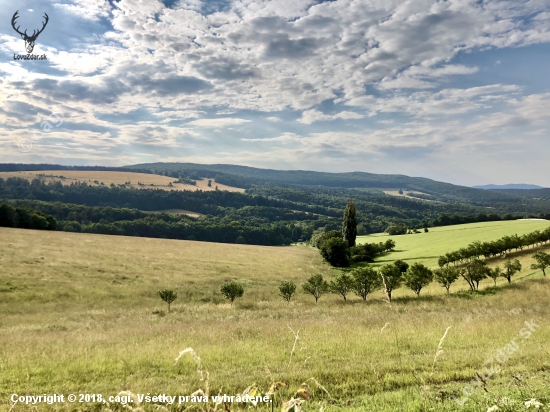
{"x": 80, "y": 314}
{"x": 427, "y": 247}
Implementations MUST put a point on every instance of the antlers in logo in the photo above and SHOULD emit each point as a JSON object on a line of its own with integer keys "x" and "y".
{"x": 29, "y": 40}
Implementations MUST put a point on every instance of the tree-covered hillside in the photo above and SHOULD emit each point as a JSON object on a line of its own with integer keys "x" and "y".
{"x": 281, "y": 209}
{"x": 250, "y": 176}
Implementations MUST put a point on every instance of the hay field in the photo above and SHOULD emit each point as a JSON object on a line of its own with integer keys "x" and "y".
{"x": 81, "y": 315}
{"x": 95, "y": 178}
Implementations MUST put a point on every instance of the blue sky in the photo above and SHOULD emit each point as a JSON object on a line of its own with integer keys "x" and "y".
{"x": 452, "y": 90}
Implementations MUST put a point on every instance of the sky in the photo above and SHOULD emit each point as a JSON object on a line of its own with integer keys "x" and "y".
{"x": 452, "y": 90}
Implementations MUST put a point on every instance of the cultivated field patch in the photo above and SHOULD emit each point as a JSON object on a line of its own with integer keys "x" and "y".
{"x": 127, "y": 179}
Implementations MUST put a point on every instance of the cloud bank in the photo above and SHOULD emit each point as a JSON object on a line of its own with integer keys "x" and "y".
{"x": 408, "y": 87}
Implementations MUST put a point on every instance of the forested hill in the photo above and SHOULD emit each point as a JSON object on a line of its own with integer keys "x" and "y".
{"x": 542, "y": 193}
{"x": 284, "y": 184}
{"x": 248, "y": 176}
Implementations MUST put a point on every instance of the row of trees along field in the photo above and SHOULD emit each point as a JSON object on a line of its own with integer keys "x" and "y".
{"x": 498, "y": 247}
{"x": 339, "y": 249}
{"x": 366, "y": 280}
{"x": 391, "y": 276}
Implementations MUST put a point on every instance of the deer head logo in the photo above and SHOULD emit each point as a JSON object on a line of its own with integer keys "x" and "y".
{"x": 29, "y": 40}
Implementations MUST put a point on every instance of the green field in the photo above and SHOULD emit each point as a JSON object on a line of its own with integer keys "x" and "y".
{"x": 427, "y": 247}
{"x": 80, "y": 315}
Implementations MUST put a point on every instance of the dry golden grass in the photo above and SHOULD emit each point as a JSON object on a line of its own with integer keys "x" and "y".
{"x": 148, "y": 181}
{"x": 80, "y": 314}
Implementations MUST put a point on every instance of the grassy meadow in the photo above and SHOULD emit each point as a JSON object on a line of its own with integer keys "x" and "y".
{"x": 80, "y": 314}
{"x": 427, "y": 247}
{"x": 95, "y": 178}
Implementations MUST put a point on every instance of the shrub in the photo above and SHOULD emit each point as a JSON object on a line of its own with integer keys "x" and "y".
{"x": 401, "y": 265}
{"x": 510, "y": 268}
{"x": 335, "y": 251}
{"x": 396, "y": 229}
{"x": 316, "y": 286}
{"x": 446, "y": 277}
{"x": 474, "y": 272}
{"x": 495, "y": 273}
{"x": 168, "y": 295}
{"x": 287, "y": 289}
{"x": 365, "y": 281}
{"x": 391, "y": 278}
{"x": 232, "y": 290}
{"x": 342, "y": 285}
{"x": 318, "y": 238}
{"x": 543, "y": 261}
{"x": 417, "y": 277}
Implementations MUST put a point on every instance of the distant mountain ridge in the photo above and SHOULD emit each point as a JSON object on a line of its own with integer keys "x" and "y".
{"x": 376, "y": 195}
{"x": 521, "y": 186}
{"x": 432, "y": 189}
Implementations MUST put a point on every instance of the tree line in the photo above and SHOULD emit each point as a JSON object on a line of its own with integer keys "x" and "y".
{"x": 499, "y": 247}
{"x": 389, "y": 277}
{"x": 133, "y": 222}
{"x": 366, "y": 280}
{"x": 24, "y": 218}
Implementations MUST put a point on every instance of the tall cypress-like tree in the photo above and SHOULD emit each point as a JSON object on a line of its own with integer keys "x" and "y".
{"x": 349, "y": 226}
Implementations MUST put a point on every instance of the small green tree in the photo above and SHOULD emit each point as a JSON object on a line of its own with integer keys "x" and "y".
{"x": 389, "y": 245}
{"x": 543, "y": 261}
{"x": 232, "y": 290}
{"x": 335, "y": 251}
{"x": 495, "y": 274}
{"x": 349, "y": 225}
{"x": 446, "y": 277}
{"x": 315, "y": 286}
{"x": 401, "y": 265}
{"x": 287, "y": 289}
{"x": 474, "y": 272}
{"x": 365, "y": 280}
{"x": 391, "y": 278}
{"x": 342, "y": 285}
{"x": 209, "y": 183}
{"x": 417, "y": 277}
{"x": 168, "y": 295}
{"x": 511, "y": 268}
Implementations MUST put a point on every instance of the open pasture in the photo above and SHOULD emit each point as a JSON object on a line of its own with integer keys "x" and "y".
{"x": 81, "y": 315}
{"x": 427, "y": 247}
